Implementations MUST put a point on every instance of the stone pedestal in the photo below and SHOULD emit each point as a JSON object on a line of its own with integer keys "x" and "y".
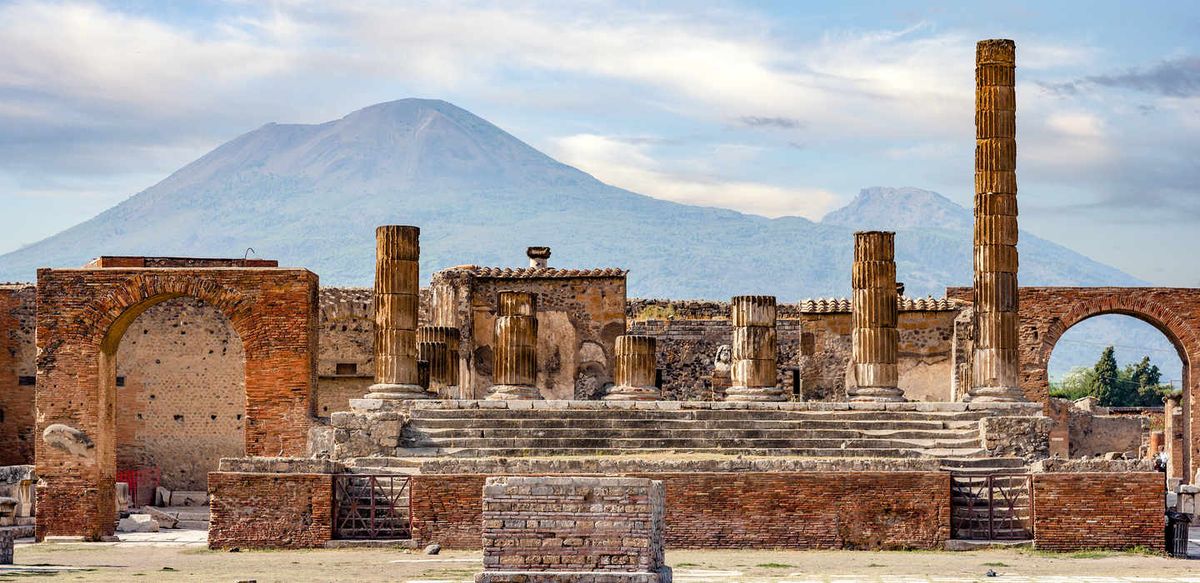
{"x": 514, "y": 370}
{"x": 995, "y": 368}
{"x": 443, "y": 360}
{"x": 635, "y": 369}
{"x": 875, "y": 341}
{"x": 7, "y": 538}
{"x": 755, "y": 350}
{"x": 397, "y": 249}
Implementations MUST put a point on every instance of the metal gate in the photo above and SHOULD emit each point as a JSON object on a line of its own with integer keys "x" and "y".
{"x": 372, "y": 506}
{"x": 991, "y": 507}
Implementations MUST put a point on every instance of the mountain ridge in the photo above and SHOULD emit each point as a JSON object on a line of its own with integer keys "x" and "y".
{"x": 310, "y": 195}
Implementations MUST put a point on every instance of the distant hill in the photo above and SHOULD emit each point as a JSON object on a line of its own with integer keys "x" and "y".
{"x": 311, "y": 196}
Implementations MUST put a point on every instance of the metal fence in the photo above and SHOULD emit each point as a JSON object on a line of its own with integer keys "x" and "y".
{"x": 372, "y": 506}
{"x": 991, "y": 507}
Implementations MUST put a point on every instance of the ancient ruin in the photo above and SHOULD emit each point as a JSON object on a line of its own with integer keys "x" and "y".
{"x": 305, "y": 417}
{"x": 876, "y": 341}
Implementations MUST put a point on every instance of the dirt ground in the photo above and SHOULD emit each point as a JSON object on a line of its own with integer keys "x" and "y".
{"x": 133, "y": 562}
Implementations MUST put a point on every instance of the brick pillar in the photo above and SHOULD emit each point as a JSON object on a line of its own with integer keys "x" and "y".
{"x": 514, "y": 370}
{"x": 635, "y": 370}
{"x": 443, "y": 369}
{"x": 875, "y": 339}
{"x": 754, "y": 350}
{"x": 397, "y": 249}
{"x": 996, "y": 361}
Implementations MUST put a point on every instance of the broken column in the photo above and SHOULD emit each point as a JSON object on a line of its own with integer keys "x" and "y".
{"x": 875, "y": 341}
{"x": 439, "y": 345}
{"x": 754, "y": 377}
{"x": 397, "y": 249}
{"x": 635, "y": 370}
{"x": 514, "y": 370}
{"x": 996, "y": 360}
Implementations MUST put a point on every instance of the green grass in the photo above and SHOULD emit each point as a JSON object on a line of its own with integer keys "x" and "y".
{"x": 996, "y": 564}
{"x": 775, "y": 566}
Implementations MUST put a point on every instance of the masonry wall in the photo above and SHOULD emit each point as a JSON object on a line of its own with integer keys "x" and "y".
{"x": 181, "y": 393}
{"x": 268, "y": 510}
{"x": 570, "y": 523}
{"x": 18, "y": 367}
{"x": 813, "y": 345}
{"x": 580, "y": 314}
{"x": 1074, "y": 511}
{"x": 805, "y": 510}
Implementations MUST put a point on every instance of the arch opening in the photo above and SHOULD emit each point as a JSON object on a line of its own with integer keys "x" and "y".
{"x": 1149, "y": 360}
{"x": 173, "y": 377}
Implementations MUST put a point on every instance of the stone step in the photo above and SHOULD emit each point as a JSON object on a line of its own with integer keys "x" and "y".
{"x": 695, "y": 443}
{"x": 609, "y": 451}
{"x": 506, "y": 432}
{"x": 708, "y": 424}
{"x": 695, "y": 414}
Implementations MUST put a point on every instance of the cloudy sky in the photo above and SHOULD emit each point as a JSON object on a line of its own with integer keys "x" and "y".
{"x": 745, "y": 105}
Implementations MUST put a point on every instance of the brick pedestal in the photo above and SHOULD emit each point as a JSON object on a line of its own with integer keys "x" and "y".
{"x": 573, "y": 529}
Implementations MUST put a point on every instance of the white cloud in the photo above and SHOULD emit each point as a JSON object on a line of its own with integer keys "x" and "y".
{"x": 631, "y": 167}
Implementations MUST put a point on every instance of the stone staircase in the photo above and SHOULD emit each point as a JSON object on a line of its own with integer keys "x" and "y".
{"x": 505, "y": 432}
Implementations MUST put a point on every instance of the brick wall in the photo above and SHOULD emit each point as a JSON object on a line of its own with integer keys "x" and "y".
{"x": 17, "y": 356}
{"x": 567, "y": 523}
{"x": 802, "y": 510}
{"x": 82, "y": 316}
{"x": 1074, "y": 511}
{"x": 183, "y": 402}
{"x": 266, "y": 510}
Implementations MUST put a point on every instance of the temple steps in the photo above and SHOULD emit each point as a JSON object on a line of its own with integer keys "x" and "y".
{"x": 515, "y": 431}
{"x": 693, "y": 443}
{"x": 721, "y": 432}
{"x": 508, "y": 452}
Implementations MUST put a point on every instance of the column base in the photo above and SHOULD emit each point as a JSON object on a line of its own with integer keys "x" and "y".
{"x": 876, "y": 395}
{"x": 995, "y": 395}
{"x": 513, "y": 393}
{"x": 630, "y": 393}
{"x": 755, "y": 394}
{"x": 394, "y": 392}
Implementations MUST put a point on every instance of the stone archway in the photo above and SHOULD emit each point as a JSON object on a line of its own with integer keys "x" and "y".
{"x": 82, "y": 316}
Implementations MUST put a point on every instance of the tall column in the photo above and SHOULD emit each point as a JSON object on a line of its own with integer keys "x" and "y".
{"x": 397, "y": 249}
{"x": 635, "y": 370}
{"x": 875, "y": 341}
{"x": 514, "y": 370}
{"x": 996, "y": 361}
{"x": 443, "y": 360}
{"x": 754, "y": 350}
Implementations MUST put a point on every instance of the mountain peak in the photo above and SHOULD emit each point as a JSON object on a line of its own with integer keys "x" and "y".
{"x": 881, "y": 207}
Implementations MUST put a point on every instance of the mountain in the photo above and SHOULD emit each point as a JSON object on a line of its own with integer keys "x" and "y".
{"x": 311, "y": 195}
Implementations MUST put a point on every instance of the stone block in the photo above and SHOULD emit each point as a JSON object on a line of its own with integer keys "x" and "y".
{"x": 7, "y": 538}
{"x": 163, "y": 519}
{"x": 188, "y": 498}
{"x": 138, "y": 523}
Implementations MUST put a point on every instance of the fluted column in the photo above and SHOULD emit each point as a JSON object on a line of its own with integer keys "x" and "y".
{"x": 755, "y": 350}
{"x": 514, "y": 370}
{"x": 875, "y": 341}
{"x": 397, "y": 249}
{"x": 442, "y": 356}
{"x": 996, "y": 359}
{"x": 635, "y": 370}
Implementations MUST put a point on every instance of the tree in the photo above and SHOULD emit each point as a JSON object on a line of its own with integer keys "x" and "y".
{"x": 1106, "y": 385}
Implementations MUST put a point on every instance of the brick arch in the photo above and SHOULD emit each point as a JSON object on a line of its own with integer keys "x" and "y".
{"x": 82, "y": 315}
{"x": 1181, "y": 334}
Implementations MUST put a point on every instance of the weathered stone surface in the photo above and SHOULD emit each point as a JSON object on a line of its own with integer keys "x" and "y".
{"x": 70, "y": 440}
{"x": 755, "y": 350}
{"x": 572, "y": 524}
{"x": 281, "y": 465}
{"x": 1023, "y": 437}
{"x": 163, "y": 519}
{"x": 397, "y": 250}
{"x": 138, "y": 523}
{"x": 875, "y": 340}
{"x": 515, "y": 364}
{"x": 995, "y": 362}
{"x": 7, "y": 538}
{"x": 635, "y": 370}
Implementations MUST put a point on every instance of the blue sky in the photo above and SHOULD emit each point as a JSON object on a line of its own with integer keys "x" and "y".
{"x": 764, "y": 107}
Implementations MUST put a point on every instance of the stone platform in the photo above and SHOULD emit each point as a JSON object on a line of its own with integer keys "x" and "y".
{"x": 516, "y": 429}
